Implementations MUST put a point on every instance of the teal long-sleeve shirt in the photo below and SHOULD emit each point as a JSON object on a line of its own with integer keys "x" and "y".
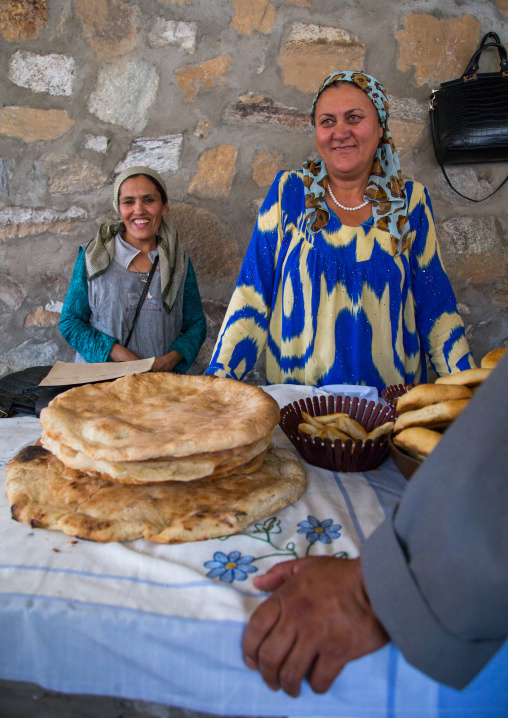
{"x": 95, "y": 346}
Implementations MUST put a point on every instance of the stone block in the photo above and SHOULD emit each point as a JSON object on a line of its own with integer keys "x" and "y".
{"x": 265, "y": 167}
{"x": 17, "y": 222}
{"x": 4, "y": 177}
{"x": 503, "y": 6}
{"x": 160, "y": 153}
{"x": 408, "y": 109}
{"x": 253, "y": 15}
{"x": 30, "y": 354}
{"x": 97, "y": 143}
{"x": 214, "y": 312}
{"x": 438, "y": 48}
{"x": 313, "y": 52}
{"x": 109, "y": 26}
{"x": 202, "y": 128}
{"x": 471, "y": 249}
{"x": 171, "y": 32}
{"x": 12, "y": 294}
{"x": 32, "y": 125}
{"x": 406, "y": 135}
{"x": 124, "y": 93}
{"x": 212, "y": 248}
{"x": 300, "y": 3}
{"x": 41, "y": 318}
{"x": 466, "y": 180}
{"x": 215, "y": 172}
{"x": 52, "y": 73}
{"x": 252, "y": 106}
{"x": 72, "y": 174}
{"x": 22, "y": 19}
{"x": 209, "y": 73}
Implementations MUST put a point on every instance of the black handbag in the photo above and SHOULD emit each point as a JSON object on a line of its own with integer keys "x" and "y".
{"x": 469, "y": 116}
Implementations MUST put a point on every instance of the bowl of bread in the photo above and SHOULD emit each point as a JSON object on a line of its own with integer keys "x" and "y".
{"x": 339, "y": 433}
{"x": 424, "y": 412}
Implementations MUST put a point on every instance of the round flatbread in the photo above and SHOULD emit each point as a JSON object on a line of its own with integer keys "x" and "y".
{"x": 418, "y": 441}
{"x": 148, "y": 416}
{"x": 425, "y": 394}
{"x": 435, "y": 416}
{"x": 186, "y": 468}
{"x": 44, "y": 493}
{"x": 468, "y": 377}
{"x": 492, "y": 359}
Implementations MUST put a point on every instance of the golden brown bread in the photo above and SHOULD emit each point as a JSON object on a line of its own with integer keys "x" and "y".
{"x": 425, "y": 394}
{"x": 468, "y": 377}
{"x": 148, "y": 416}
{"x": 492, "y": 359}
{"x": 434, "y": 416}
{"x": 44, "y": 493}
{"x": 184, "y": 468}
{"x": 418, "y": 441}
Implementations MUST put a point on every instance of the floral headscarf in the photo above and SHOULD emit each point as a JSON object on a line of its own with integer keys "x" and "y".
{"x": 385, "y": 188}
{"x": 101, "y": 250}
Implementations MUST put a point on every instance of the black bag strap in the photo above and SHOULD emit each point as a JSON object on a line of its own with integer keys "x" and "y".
{"x": 465, "y": 196}
{"x": 493, "y": 35}
{"x": 142, "y": 299}
{"x": 474, "y": 62}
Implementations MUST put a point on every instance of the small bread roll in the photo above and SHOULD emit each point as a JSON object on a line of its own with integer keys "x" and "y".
{"x": 434, "y": 416}
{"x": 309, "y": 429}
{"x": 417, "y": 441}
{"x": 380, "y": 430}
{"x": 425, "y": 394}
{"x": 493, "y": 358}
{"x": 332, "y": 433}
{"x": 350, "y": 426}
{"x": 469, "y": 377}
{"x": 311, "y": 420}
{"x": 329, "y": 418}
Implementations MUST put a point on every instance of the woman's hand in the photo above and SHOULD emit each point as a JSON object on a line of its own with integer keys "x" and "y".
{"x": 120, "y": 353}
{"x": 167, "y": 362}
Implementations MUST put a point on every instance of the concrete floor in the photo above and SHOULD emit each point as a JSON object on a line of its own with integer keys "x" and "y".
{"x": 27, "y": 700}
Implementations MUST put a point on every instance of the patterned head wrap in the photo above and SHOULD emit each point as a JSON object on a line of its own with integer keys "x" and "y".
{"x": 101, "y": 250}
{"x": 385, "y": 188}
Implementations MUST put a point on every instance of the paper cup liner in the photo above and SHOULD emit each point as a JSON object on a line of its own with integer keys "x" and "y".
{"x": 392, "y": 393}
{"x": 337, "y": 455}
{"x": 405, "y": 463}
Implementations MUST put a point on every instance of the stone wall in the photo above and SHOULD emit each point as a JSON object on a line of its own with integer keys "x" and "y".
{"x": 215, "y": 94}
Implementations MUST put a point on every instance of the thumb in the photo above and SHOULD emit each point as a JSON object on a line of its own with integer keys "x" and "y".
{"x": 278, "y": 574}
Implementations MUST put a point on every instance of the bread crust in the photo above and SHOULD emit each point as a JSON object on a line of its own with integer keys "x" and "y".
{"x": 148, "y": 416}
{"x": 426, "y": 394}
{"x": 418, "y": 441}
{"x": 44, "y": 493}
{"x": 492, "y": 359}
{"x": 468, "y": 377}
{"x": 434, "y": 416}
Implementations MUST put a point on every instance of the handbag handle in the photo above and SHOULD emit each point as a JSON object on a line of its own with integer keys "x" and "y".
{"x": 142, "y": 299}
{"x": 464, "y": 195}
{"x": 493, "y": 35}
{"x": 474, "y": 62}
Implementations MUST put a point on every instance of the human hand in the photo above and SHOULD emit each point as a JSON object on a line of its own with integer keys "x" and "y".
{"x": 120, "y": 353}
{"x": 318, "y": 619}
{"x": 167, "y": 362}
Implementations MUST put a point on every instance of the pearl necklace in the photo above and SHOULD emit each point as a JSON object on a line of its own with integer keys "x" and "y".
{"x": 348, "y": 209}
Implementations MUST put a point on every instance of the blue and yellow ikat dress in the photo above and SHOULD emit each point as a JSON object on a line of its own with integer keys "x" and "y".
{"x": 335, "y": 306}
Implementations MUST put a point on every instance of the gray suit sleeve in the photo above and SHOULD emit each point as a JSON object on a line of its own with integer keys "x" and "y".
{"x": 436, "y": 571}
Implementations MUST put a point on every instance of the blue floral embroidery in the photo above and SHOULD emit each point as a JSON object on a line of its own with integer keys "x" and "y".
{"x": 230, "y": 567}
{"x": 314, "y": 530}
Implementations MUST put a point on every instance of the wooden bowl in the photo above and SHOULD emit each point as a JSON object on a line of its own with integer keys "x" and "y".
{"x": 406, "y": 464}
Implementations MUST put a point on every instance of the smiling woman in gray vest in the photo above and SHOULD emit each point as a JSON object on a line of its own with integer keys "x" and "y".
{"x": 139, "y": 250}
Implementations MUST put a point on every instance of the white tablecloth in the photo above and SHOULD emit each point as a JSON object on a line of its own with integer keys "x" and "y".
{"x": 154, "y": 622}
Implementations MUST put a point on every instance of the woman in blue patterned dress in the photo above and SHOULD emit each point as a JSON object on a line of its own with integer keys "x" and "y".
{"x": 343, "y": 281}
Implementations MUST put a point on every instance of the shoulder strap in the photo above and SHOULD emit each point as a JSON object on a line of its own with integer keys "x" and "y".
{"x": 463, "y": 195}
{"x": 142, "y": 299}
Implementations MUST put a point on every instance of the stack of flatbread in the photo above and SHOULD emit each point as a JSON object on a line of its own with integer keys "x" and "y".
{"x": 167, "y": 457}
{"x": 427, "y": 410}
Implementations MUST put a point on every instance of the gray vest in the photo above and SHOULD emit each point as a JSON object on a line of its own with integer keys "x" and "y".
{"x": 113, "y": 298}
